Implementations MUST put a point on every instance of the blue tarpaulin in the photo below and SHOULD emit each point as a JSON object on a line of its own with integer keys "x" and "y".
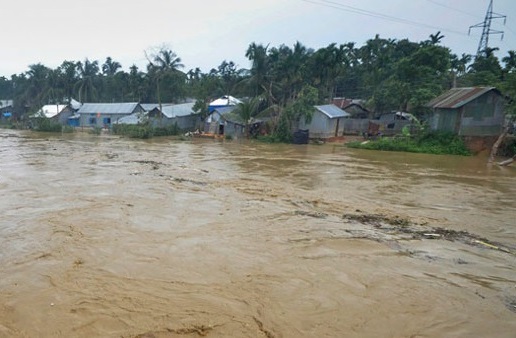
{"x": 7, "y": 114}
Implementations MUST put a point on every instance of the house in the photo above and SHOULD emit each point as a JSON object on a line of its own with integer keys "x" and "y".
{"x": 358, "y": 121}
{"x": 354, "y": 107}
{"x": 6, "y": 110}
{"x": 389, "y": 124}
{"x": 136, "y": 118}
{"x": 327, "y": 121}
{"x": 105, "y": 114}
{"x": 59, "y": 113}
{"x": 469, "y": 111}
{"x": 224, "y": 121}
{"x": 181, "y": 115}
{"x": 224, "y": 101}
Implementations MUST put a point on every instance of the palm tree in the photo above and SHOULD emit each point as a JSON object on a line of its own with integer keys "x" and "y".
{"x": 166, "y": 59}
{"x": 86, "y": 86}
{"x": 260, "y": 78}
{"x": 458, "y": 66}
{"x": 110, "y": 67}
{"x": 68, "y": 77}
{"x": 162, "y": 63}
{"x": 510, "y": 61}
{"x": 38, "y": 84}
{"x": 246, "y": 110}
{"x": 435, "y": 38}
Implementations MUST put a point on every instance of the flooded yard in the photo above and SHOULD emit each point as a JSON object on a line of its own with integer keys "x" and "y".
{"x": 103, "y": 236}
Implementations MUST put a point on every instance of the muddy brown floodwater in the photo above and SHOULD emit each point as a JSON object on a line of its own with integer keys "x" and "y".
{"x": 102, "y": 236}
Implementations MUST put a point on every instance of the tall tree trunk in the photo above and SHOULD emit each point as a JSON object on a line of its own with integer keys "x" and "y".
{"x": 496, "y": 145}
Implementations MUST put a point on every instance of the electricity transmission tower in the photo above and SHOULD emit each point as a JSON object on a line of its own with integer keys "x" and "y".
{"x": 486, "y": 29}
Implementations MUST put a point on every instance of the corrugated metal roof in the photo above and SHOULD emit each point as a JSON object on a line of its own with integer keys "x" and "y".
{"x": 226, "y": 100}
{"x": 457, "y": 97}
{"x": 151, "y": 106}
{"x": 129, "y": 119}
{"x": 6, "y": 103}
{"x": 332, "y": 111}
{"x": 50, "y": 110}
{"x": 227, "y": 113}
{"x": 183, "y": 109}
{"x": 108, "y": 108}
{"x": 225, "y": 110}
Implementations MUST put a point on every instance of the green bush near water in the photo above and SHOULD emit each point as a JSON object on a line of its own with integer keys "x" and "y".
{"x": 95, "y": 131}
{"x": 144, "y": 131}
{"x": 46, "y": 125}
{"x": 429, "y": 143}
{"x": 68, "y": 129}
{"x": 171, "y": 130}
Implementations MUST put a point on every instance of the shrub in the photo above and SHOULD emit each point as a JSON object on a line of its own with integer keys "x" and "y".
{"x": 429, "y": 143}
{"x": 68, "y": 129}
{"x": 133, "y": 130}
{"x": 95, "y": 131}
{"x": 46, "y": 125}
{"x": 171, "y": 130}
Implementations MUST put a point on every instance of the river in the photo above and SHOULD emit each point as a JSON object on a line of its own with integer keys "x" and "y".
{"x": 102, "y": 236}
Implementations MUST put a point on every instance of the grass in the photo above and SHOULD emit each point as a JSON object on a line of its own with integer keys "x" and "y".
{"x": 428, "y": 143}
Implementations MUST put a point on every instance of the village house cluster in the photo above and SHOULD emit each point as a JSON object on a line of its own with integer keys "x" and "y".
{"x": 469, "y": 112}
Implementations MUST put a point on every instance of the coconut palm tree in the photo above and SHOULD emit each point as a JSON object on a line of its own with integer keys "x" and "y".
{"x": 162, "y": 63}
{"x": 510, "y": 61}
{"x": 110, "y": 67}
{"x": 260, "y": 81}
{"x": 86, "y": 86}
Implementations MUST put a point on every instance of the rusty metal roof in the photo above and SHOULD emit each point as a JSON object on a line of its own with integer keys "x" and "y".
{"x": 457, "y": 97}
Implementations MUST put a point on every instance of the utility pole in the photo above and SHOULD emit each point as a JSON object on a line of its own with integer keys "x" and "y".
{"x": 486, "y": 29}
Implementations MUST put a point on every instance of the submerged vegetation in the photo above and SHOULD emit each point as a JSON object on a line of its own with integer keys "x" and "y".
{"x": 145, "y": 131}
{"x": 429, "y": 143}
{"x": 46, "y": 125}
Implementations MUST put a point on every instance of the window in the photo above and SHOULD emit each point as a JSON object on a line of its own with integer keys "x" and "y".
{"x": 107, "y": 120}
{"x": 93, "y": 120}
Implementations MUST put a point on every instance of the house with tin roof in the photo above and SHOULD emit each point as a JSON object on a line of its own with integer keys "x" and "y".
{"x": 181, "y": 114}
{"x": 6, "y": 109}
{"x": 468, "y": 111}
{"x": 103, "y": 115}
{"x": 223, "y": 101}
{"x": 327, "y": 121}
{"x": 58, "y": 113}
{"x": 224, "y": 120}
{"x": 355, "y": 107}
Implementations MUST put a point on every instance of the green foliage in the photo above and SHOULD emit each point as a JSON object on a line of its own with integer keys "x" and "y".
{"x": 46, "y": 125}
{"x": 68, "y": 129}
{"x": 429, "y": 143}
{"x": 388, "y": 74}
{"x": 95, "y": 131}
{"x": 171, "y": 130}
{"x": 132, "y": 130}
{"x": 283, "y": 131}
{"x": 144, "y": 131}
{"x": 7, "y": 125}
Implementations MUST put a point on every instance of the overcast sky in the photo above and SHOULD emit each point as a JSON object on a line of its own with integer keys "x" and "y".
{"x": 203, "y": 33}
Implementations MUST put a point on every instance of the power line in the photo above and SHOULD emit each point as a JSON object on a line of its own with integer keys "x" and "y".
{"x": 452, "y": 8}
{"x": 356, "y": 10}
